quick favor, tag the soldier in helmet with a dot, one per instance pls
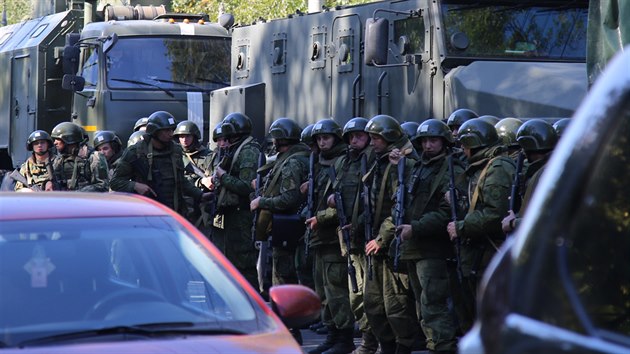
(37, 170)
(141, 124)
(108, 143)
(281, 194)
(233, 176)
(410, 129)
(538, 139)
(489, 178)
(196, 160)
(136, 137)
(425, 243)
(457, 118)
(330, 271)
(388, 302)
(506, 128)
(154, 167)
(490, 119)
(307, 138)
(352, 166)
(561, 125)
(77, 168)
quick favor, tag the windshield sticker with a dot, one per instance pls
(39, 267)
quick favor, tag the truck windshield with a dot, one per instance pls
(516, 30)
(169, 63)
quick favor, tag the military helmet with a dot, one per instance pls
(68, 132)
(561, 125)
(285, 128)
(385, 126)
(160, 120)
(410, 129)
(537, 135)
(236, 124)
(38, 135)
(187, 127)
(107, 136)
(477, 133)
(306, 136)
(356, 124)
(140, 123)
(217, 132)
(459, 116)
(135, 137)
(507, 128)
(434, 128)
(490, 119)
(327, 126)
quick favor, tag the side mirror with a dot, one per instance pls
(73, 82)
(296, 305)
(70, 63)
(110, 42)
(376, 41)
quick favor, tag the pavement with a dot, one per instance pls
(311, 340)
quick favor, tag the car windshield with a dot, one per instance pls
(67, 276)
(188, 64)
(516, 30)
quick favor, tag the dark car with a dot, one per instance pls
(108, 272)
(562, 283)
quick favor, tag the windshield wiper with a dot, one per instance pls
(146, 330)
(178, 83)
(147, 84)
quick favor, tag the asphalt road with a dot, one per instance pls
(311, 340)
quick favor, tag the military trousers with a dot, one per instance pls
(429, 279)
(304, 265)
(389, 305)
(284, 271)
(331, 284)
(235, 242)
(356, 299)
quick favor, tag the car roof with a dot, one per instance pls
(55, 205)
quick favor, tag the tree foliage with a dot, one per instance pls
(247, 12)
(17, 10)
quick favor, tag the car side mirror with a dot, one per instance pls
(73, 82)
(296, 305)
(70, 63)
(376, 41)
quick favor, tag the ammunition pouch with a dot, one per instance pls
(227, 200)
(342, 243)
(287, 229)
(263, 225)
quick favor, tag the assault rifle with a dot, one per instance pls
(343, 221)
(264, 246)
(258, 191)
(310, 201)
(453, 201)
(399, 209)
(367, 213)
(516, 184)
(17, 176)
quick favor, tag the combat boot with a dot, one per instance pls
(369, 344)
(402, 349)
(331, 338)
(344, 343)
(387, 347)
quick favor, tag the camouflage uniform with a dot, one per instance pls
(84, 174)
(330, 273)
(480, 231)
(388, 302)
(350, 184)
(162, 170)
(284, 197)
(232, 234)
(200, 157)
(426, 253)
(36, 173)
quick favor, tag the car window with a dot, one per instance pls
(67, 275)
(597, 249)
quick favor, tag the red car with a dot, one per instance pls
(96, 273)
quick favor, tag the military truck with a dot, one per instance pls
(103, 67)
(412, 59)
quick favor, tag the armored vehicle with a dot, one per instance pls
(106, 68)
(412, 59)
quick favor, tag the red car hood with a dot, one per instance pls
(274, 342)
